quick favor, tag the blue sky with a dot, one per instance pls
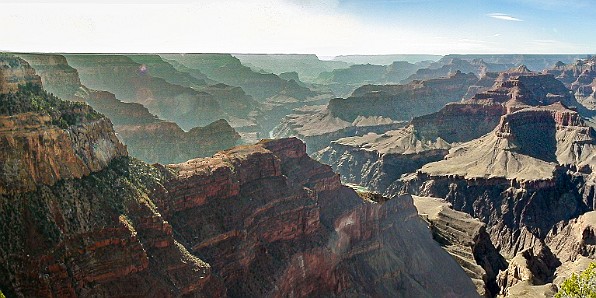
(323, 27)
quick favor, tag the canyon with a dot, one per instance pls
(146, 136)
(517, 157)
(253, 220)
(214, 175)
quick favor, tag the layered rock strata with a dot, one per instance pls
(579, 77)
(536, 158)
(258, 220)
(15, 72)
(372, 108)
(293, 229)
(466, 239)
(147, 137)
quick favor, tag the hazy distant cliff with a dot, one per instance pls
(147, 137)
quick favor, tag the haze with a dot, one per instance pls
(326, 28)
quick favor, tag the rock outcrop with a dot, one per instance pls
(377, 160)
(344, 81)
(229, 70)
(15, 72)
(372, 108)
(519, 160)
(131, 82)
(579, 77)
(44, 139)
(402, 102)
(536, 158)
(466, 239)
(293, 229)
(147, 137)
(255, 220)
(166, 142)
(574, 239)
(75, 217)
(532, 269)
(450, 65)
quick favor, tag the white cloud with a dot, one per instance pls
(257, 26)
(504, 17)
(233, 26)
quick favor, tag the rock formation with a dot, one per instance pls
(295, 230)
(155, 66)
(307, 66)
(147, 137)
(448, 65)
(519, 160)
(402, 102)
(344, 81)
(131, 82)
(254, 220)
(14, 72)
(382, 158)
(372, 108)
(534, 156)
(535, 62)
(165, 142)
(466, 239)
(579, 77)
(229, 70)
(75, 220)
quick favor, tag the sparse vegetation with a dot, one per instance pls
(579, 285)
(32, 98)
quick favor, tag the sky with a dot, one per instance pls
(324, 27)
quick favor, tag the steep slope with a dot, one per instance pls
(75, 217)
(447, 66)
(526, 179)
(307, 66)
(373, 108)
(229, 70)
(376, 160)
(165, 142)
(466, 239)
(14, 72)
(535, 158)
(131, 82)
(295, 230)
(402, 102)
(147, 137)
(344, 81)
(155, 66)
(579, 77)
(269, 220)
(277, 96)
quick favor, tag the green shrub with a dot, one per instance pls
(582, 285)
(32, 98)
